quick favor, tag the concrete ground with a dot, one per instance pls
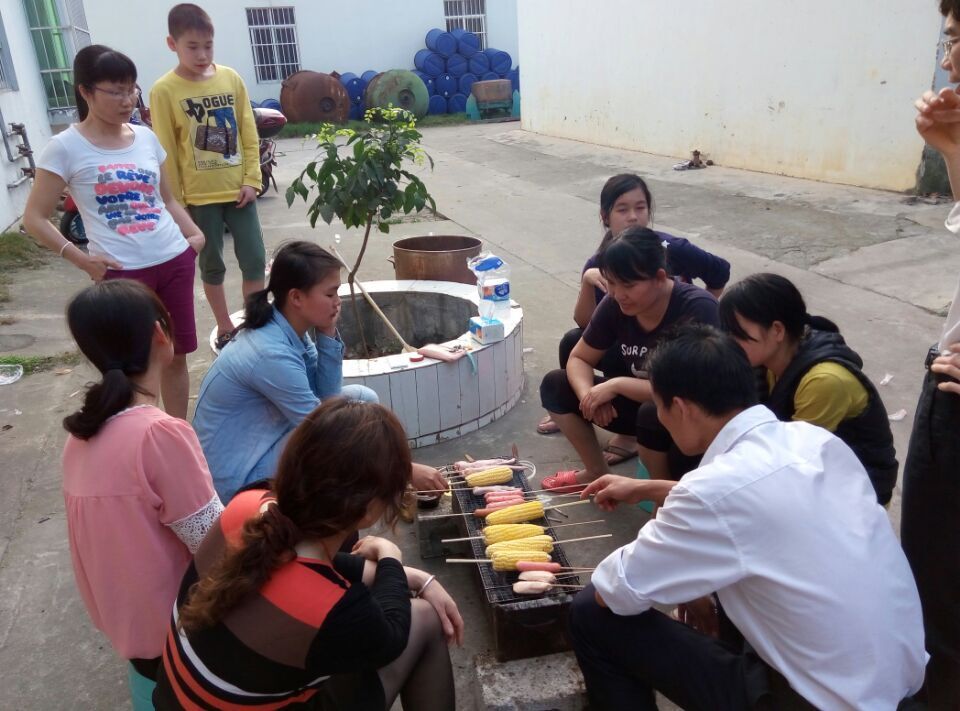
(883, 269)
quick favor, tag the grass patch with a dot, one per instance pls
(39, 364)
(299, 130)
(18, 251)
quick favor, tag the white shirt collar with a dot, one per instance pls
(735, 429)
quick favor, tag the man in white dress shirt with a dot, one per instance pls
(780, 524)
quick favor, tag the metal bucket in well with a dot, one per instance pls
(437, 258)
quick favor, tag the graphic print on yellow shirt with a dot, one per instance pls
(213, 127)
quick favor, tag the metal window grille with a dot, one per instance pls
(58, 30)
(470, 15)
(273, 40)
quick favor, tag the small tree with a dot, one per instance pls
(368, 184)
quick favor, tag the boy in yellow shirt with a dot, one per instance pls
(202, 115)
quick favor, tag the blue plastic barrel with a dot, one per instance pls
(500, 61)
(438, 105)
(270, 104)
(368, 75)
(446, 85)
(354, 86)
(479, 64)
(466, 83)
(468, 44)
(428, 81)
(429, 62)
(441, 42)
(457, 104)
(514, 76)
(489, 76)
(457, 65)
(254, 104)
(356, 111)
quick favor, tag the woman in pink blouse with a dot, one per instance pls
(139, 496)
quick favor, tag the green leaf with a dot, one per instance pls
(326, 212)
(383, 227)
(291, 193)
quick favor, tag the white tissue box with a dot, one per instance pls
(486, 330)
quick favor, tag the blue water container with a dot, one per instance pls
(489, 76)
(368, 75)
(428, 81)
(500, 61)
(457, 65)
(429, 62)
(514, 76)
(457, 104)
(468, 44)
(446, 85)
(254, 104)
(356, 111)
(354, 86)
(479, 64)
(441, 42)
(270, 104)
(466, 83)
(438, 105)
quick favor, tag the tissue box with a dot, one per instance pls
(486, 330)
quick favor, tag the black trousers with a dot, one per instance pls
(625, 659)
(930, 534)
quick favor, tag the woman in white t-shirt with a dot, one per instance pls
(136, 229)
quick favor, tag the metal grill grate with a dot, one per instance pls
(498, 585)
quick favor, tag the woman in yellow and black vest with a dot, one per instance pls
(811, 374)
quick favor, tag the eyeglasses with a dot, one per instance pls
(120, 95)
(948, 43)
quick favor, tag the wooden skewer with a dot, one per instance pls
(584, 538)
(558, 576)
(545, 508)
(477, 538)
(488, 560)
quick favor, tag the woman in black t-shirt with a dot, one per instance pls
(642, 304)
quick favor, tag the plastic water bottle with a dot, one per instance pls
(493, 285)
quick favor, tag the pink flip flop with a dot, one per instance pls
(563, 483)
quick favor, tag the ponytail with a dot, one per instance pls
(296, 265)
(113, 324)
(821, 323)
(257, 309)
(268, 542)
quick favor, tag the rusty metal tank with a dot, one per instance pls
(494, 90)
(314, 97)
(436, 257)
(399, 88)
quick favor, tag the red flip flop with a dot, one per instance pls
(563, 483)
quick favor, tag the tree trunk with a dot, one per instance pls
(353, 296)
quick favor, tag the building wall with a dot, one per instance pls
(502, 27)
(26, 105)
(346, 37)
(820, 90)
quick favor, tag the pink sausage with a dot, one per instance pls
(523, 565)
(494, 505)
(504, 495)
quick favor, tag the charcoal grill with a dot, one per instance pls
(523, 625)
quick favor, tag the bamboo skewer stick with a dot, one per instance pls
(477, 538)
(407, 348)
(488, 560)
(545, 508)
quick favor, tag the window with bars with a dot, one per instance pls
(58, 30)
(273, 40)
(8, 78)
(470, 15)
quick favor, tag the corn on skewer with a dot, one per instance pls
(511, 516)
(528, 529)
(536, 543)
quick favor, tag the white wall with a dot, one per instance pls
(26, 105)
(822, 89)
(343, 36)
(502, 27)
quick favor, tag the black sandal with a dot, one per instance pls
(223, 339)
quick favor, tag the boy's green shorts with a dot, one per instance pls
(244, 225)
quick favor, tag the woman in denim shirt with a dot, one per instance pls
(273, 374)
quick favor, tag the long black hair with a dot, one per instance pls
(636, 255)
(612, 190)
(113, 324)
(98, 63)
(766, 298)
(296, 265)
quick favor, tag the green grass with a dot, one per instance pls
(298, 130)
(38, 364)
(17, 251)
